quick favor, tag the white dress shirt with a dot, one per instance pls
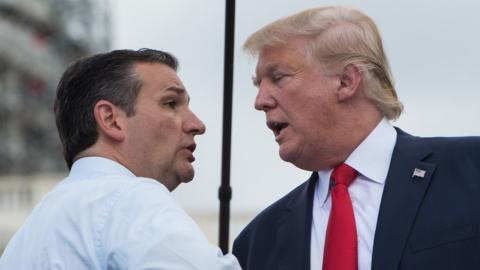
(371, 159)
(103, 217)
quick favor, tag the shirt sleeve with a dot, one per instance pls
(147, 229)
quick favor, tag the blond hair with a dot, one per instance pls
(340, 36)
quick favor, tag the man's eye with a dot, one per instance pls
(171, 103)
(256, 82)
(278, 77)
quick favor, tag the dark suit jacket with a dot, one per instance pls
(424, 223)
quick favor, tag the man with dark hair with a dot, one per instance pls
(378, 198)
(128, 136)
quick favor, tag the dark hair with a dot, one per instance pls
(107, 76)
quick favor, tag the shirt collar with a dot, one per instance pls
(371, 158)
(96, 166)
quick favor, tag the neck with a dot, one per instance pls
(99, 149)
(360, 124)
(356, 124)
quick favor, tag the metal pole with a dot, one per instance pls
(225, 191)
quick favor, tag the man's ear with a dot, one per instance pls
(350, 82)
(109, 120)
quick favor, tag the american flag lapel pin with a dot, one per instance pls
(419, 173)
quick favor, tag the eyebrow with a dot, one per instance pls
(179, 91)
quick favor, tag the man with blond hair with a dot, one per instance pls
(378, 198)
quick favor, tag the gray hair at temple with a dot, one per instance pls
(340, 36)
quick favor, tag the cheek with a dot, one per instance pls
(169, 136)
(172, 130)
(167, 128)
(314, 123)
(157, 138)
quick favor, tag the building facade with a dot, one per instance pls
(38, 39)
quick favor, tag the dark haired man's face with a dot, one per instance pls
(160, 135)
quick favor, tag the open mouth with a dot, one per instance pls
(276, 127)
(191, 147)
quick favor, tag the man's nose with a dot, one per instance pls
(195, 125)
(264, 100)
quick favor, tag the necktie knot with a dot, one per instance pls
(343, 174)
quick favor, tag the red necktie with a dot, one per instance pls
(341, 240)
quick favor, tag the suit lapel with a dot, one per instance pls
(294, 229)
(401, 200)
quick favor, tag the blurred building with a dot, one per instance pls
(38, 39)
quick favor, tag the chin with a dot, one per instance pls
(187, 179)
(296, 158)
(186, 175)
(288, 157)
(288, 154)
